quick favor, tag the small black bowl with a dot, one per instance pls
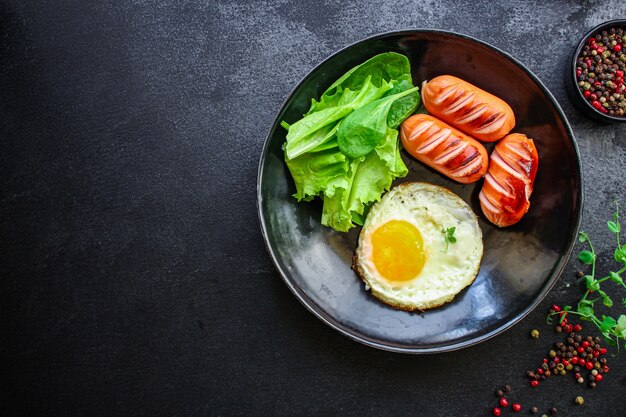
(572, 85)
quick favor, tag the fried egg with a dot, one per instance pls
(403, 256)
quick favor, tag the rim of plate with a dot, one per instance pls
(333, 323)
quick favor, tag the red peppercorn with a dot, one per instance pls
(565, 362)
(619, 73)
(579, 73)
(504, 402)
(597, 84)
(600, 49)
(589, 365)
(540, 371)
(603, 110)
(578, 327)
(587, 93)
(585, 344)
(599, 377)
(580, 348)
(593, 96)
(556, 308)
(577, 375)
(592, 40)
(568, 327)
(534, 383)
(517, 407)
(581, 362)
(603, 351)
(545, 360)
(605, 369)
(596, 353)
(556, 359)
(575, 360)
(497, 411)
(617, 48)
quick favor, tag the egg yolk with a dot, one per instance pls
(398, 250)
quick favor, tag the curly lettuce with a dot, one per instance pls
(345, 149)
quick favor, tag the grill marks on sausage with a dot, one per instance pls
(509, 182)
(447, 150)
(524, 163)
(468, 111)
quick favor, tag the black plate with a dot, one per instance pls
(520, 263)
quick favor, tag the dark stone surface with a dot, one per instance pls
(134, 277)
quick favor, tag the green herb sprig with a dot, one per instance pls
(613, 330)
(449, 236)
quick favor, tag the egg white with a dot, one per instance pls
(430, 209)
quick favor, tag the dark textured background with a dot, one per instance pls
(134, 277)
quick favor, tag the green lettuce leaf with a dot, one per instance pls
(334, 211)
(318, 172)
(365, 128)
(404, 107)
(313, 130)
(389, 152)
(366, 94)
(382, 67)
(346, 149)
(368, 179)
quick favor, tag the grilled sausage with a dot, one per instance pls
(468, 108)
(505, 195)
(444, 148)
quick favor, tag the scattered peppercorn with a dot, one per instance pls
(507, 388)
(579, 400)
(517, 407)
(576, 353)
(534, 334)
(600, 68)
(504, 402)
(553, 411)
(499, 393)
(497, 411)
(534, 410)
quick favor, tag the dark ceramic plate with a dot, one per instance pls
(520, 263)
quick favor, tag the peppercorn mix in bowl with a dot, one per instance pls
(595, 78)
